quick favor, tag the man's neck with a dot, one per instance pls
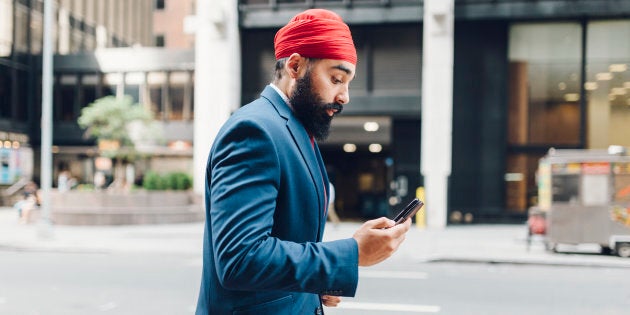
(282, 94)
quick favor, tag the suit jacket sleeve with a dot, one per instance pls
(243, 182)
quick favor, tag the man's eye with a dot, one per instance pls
(336, 81)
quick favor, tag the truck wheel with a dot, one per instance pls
(623, 249)
(605, 250)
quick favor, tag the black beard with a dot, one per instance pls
(310, 109)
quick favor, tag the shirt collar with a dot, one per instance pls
(284, 96)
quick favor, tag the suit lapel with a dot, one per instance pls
(311, 156)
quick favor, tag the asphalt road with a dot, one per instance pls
(489, 289)
(122, 283)
(33, 283)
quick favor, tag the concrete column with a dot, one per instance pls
(437, 107)
(217, 77)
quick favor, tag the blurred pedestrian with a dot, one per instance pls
(29, 202)
(63, 181)
(267, 188)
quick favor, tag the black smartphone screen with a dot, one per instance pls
(408, 211)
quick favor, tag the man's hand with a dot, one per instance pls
(330, 300)
(378, 239)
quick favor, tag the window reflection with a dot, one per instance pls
(608, 84)
(544, 101)
(178, 82)
(133, 83)
(544, 84)
(36, 32)
(6, 27)
(21, 28)
(155, 81)
(5, 91)
(68, 98)
(89, 83)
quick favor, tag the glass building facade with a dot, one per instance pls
(528, 76)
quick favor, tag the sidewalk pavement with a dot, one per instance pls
(464, 243)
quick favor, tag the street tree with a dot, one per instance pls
(110, 120)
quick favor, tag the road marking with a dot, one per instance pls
(412, 275)
(389, 307)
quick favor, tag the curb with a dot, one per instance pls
(531, 262)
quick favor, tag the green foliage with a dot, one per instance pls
(108, 118)
(85, 187)
(170, 181)
(179, 181)
(153, 181)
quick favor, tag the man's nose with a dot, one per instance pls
(343, 98)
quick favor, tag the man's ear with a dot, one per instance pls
(295, 65)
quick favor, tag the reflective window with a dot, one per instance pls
(6, 27)
(544, 83)
(37, 24)
(397, 58)
(544, 102)
(89, 83)
(22, 95)
(67, 98)
(5, 91)
(133, 84)
(155, 81)
(608, 84)
(178, 84)
(21, 28)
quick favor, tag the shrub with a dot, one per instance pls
(169, 181)
(152, 181)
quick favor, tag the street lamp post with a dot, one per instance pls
(45, 227)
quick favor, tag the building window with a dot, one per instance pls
(608, 84)
(159, 40)
(21, 29)
(159, 4)
(67, 98)
(544, 101)
(180, 96)
(397, 59)
(134, 83)
(156, 82)
(21, 112)
(6, 87)
(6, 27)
(89, 83)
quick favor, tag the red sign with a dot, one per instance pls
(596, 168)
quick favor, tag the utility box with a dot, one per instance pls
(585, 198)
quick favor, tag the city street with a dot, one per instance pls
(157, 283)
(82, 283)
(488, 289)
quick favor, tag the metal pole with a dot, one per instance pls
(45, 227)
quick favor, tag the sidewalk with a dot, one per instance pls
(469, 243)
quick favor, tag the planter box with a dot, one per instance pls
(138, 207)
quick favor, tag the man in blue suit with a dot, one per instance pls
(267, 188)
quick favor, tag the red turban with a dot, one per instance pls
(316, 33)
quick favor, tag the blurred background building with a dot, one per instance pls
(528, 75)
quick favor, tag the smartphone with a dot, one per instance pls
(408, 211)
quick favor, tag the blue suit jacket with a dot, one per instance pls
(265, 215)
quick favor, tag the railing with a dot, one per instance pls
(7, 194)
(16, 187)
